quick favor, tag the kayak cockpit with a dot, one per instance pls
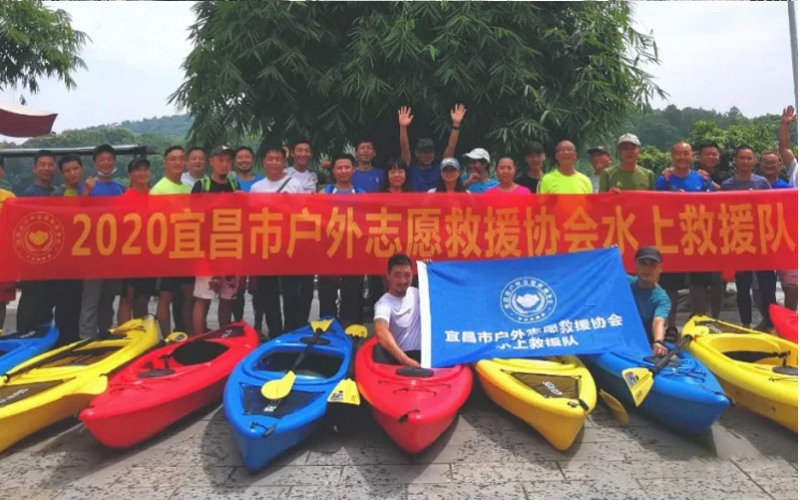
(315, 365)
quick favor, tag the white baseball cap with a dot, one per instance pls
(478, 154)
(628, 138)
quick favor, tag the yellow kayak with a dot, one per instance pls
(60, 383)
(758, 371)
(553, 395)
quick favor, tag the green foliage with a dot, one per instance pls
(652, 159)
(173, 126)
(37, 42)
(336, 71)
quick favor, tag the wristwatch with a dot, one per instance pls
(660, 342)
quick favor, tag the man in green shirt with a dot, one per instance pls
(71, 169)
(627, 176)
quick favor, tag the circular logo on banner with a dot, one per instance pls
(38, 238)
(527, 300)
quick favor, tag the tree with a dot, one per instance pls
(37, 42)
(336, 71)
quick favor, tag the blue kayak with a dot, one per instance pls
(685, 395)
(19, 347)
(262, 428)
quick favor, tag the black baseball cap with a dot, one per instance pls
(136, 162)
(425, 144)
(534, 148)
(103, 148)
(222, 150)
(599, 149)
(650, 253)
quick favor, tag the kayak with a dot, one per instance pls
(757, 370)
(414, 406)
(264, 428)
(167, 384)
(16, 348)
(785, 321)
(60, 383)
(552, 395)
(685, 395)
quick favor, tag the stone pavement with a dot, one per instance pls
(487, 454)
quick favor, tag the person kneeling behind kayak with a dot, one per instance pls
(652, 301)
(397, 316)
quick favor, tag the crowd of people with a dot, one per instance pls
(81, 308)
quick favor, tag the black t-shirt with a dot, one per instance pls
(229, 186)
(719, 176)
(528, 182)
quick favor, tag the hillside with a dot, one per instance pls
(172, 126)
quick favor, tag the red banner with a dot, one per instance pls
(278, 234)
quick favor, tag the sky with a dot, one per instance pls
(713, 55)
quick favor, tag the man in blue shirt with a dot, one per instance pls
(478, 180)
(651, 300)
(97, 300)
(366, 177)
(425, 171)
(683, 179)
(44, 169)
(770, 167)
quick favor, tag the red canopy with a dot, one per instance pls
(22, 121)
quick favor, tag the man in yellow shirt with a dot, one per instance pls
(565, 179)
(8, 291)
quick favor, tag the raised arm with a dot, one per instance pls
(387, 341)
(784, 139)
(457, 115)
(405, 117)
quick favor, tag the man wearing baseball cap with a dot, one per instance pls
(600, 158)
(651, 300)
(424, 171)
(627, 176)
(478, 180)
(534, 158)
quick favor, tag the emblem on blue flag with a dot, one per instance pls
(528, 300)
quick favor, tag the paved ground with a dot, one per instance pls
(487, 454)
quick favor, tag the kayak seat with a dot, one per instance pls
(156, 373)
(314, 364)
(673, 363)
(320, 341)
(414, 372)
(255, 403)
(785, 370)
(197, 352)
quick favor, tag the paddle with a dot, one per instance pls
(63, 354)
(280, 388)
(640, 379)
(615, 406)
(346, 391)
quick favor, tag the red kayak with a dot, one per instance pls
(413, 405)
(785, 321)
(167, 384)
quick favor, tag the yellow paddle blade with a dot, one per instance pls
(279, 389)
(345, 392)
(615, 406)
(639, 381)
(176, 337)
(321, 325)
(357, 331)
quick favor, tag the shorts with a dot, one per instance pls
(788, 278)
(677, 281)
(208, 288)
(139, 287)
(8, 292)
(173, 285)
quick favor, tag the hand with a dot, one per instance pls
(703, 174)
(326, 164)
(286, 151)
(410, 362)
(667, 173)
(458, 114)
(404, 116)
(89, 184)
(788, 116)
(659, 350)
(615, 190)
(472, 179)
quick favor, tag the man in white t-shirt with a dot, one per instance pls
(301, 154)
(397, 319)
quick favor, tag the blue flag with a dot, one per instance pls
(576, 303)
